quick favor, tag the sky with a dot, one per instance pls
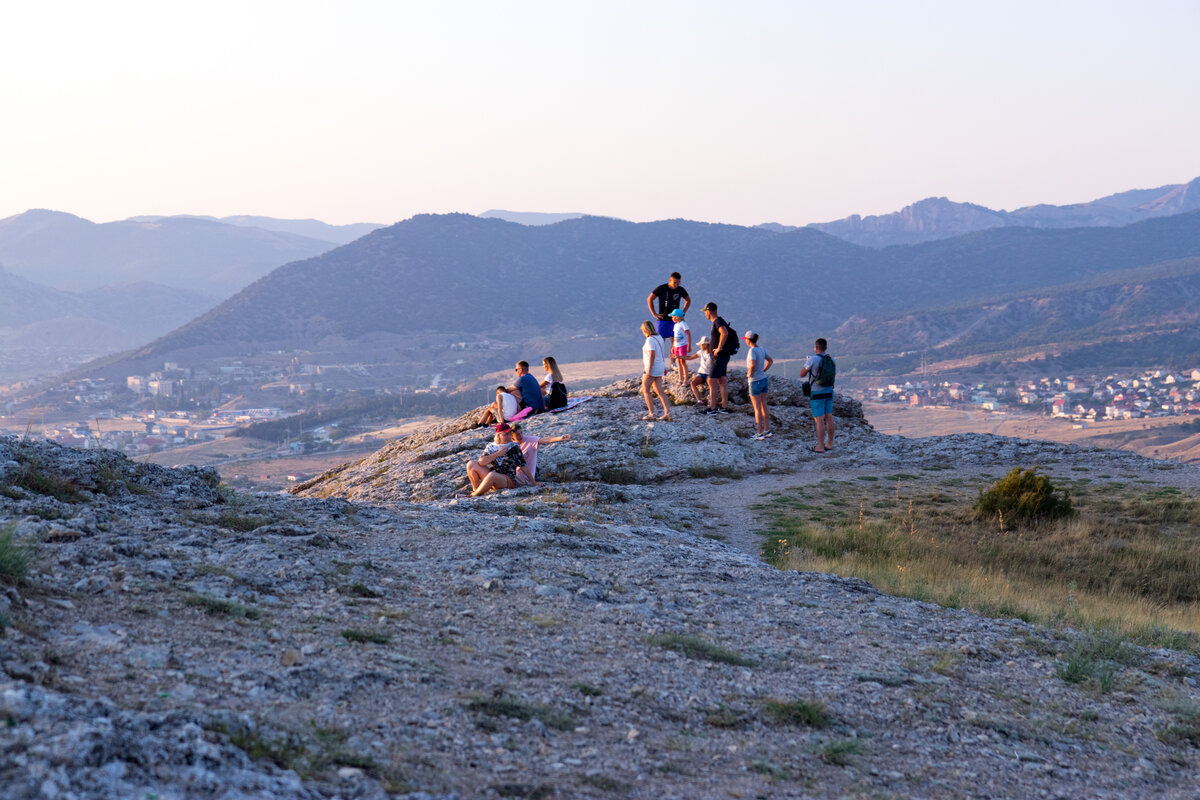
(737, 112)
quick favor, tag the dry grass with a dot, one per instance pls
(1128, 561)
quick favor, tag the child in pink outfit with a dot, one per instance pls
(681, 345)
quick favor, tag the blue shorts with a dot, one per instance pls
(666, 329)
(822, 406)
(758, 386)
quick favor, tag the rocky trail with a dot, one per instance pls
(380, 636)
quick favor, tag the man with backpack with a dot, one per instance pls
(821, 371)
(724, 343)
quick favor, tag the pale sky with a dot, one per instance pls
(740, 112)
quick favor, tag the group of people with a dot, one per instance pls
(713, 352)
(510, 460)
(549, 394)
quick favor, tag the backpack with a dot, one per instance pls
(826, 373)
(557, 398)
(732, 335)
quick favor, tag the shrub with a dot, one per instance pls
(1024, 496)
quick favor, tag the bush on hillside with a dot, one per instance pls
(1024, 496)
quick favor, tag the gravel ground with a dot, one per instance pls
(579, 639)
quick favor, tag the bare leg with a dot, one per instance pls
(829, 429)
(756, 403)
(647, 382)
(724, 393)
(713, 387)
(683, 373)
(666, 404)
(493, 482)
(476, 472)
(696, 383)
(820, 423)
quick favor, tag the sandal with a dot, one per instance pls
(666, 418)
(818, 452)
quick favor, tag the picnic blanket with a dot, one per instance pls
(572, 402)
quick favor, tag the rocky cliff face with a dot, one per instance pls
(581, 639)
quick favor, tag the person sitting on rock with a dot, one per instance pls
(553, 386)
(700, 379)
(527, 389)
(529, 448)
(504, 408)
(499, 465)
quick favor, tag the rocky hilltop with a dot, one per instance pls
(378, 636)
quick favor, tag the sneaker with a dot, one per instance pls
(723, 410)
(709, 412)
(758, 437)
(767, 435)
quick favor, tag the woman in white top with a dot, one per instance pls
(654, 366)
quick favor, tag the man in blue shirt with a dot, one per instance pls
(528, 389)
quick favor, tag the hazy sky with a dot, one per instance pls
(740, 112)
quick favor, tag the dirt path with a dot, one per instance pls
(732, 518)
(729, 502)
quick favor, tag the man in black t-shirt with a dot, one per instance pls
(723, 346)
(670, 297)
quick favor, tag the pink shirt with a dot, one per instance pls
(529, 448)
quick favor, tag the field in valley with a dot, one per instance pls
(1157, 437)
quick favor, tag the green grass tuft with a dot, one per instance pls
(16, 555)
(797, 712)
(695, 647)
(362, 636)
(505, 706)
(219, 606)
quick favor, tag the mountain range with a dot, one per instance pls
(462, 276)
(308, 228)
(44, 329)
(214, 258)
(939, 218)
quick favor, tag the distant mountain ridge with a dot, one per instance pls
(528, 217)
(939, 218)
(308, 228)
(214, 258)
(463, 275)
(43, 329)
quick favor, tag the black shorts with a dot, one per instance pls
(720, 366)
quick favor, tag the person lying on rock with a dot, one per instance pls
(529, 448)
(499, 465)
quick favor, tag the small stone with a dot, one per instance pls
(291, 658)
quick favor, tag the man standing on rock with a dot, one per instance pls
(670, 297)
(724, 345)
(820, 371)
